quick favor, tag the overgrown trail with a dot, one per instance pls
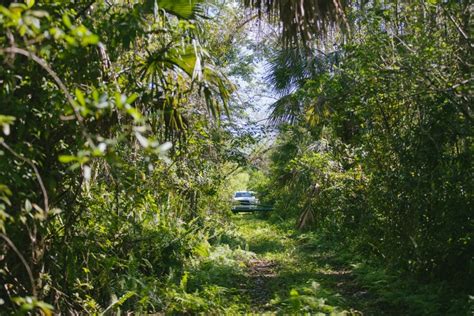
(290, 272)
(260, 273)
(260, 267)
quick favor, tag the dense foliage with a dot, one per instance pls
(375, 138)
(120, 129)
(111, 152)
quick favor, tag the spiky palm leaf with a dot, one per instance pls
(179, 67)
(301, 19)
(173, 65)
(288, 70)
(287, 109)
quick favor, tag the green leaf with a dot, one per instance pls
(30, 3)
(185, 60)
(67, 158)
(5, 122)
(294, 293)
(202, 249)
(119, 302)
(90, 39)
(6, 119)
(134, 113)
(184, 280)
(131, 98)
(80, 97)
(67, 21)
(28, 206)
(184, 9)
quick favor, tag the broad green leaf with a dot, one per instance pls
(80, 97)
(184, 9)
(67, 21)
(30, 3)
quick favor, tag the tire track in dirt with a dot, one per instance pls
(260, 272)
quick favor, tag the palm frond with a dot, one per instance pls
(184, 9)
(287, 109)
(287, 72)
(171, 72)
(285, 69)
(306, 218)
(301, 19)
(288, 69)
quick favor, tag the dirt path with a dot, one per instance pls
(287, 275)
(260, 272)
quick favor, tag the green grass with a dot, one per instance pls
(265, 267)
(301, 283)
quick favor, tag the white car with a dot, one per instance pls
(245, 198)
(245, 201)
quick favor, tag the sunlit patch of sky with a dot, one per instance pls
(256, 95)
(253, 95)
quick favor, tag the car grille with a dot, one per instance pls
(244, 202)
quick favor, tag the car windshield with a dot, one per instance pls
(243, 194)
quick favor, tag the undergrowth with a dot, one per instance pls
(313, 274)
